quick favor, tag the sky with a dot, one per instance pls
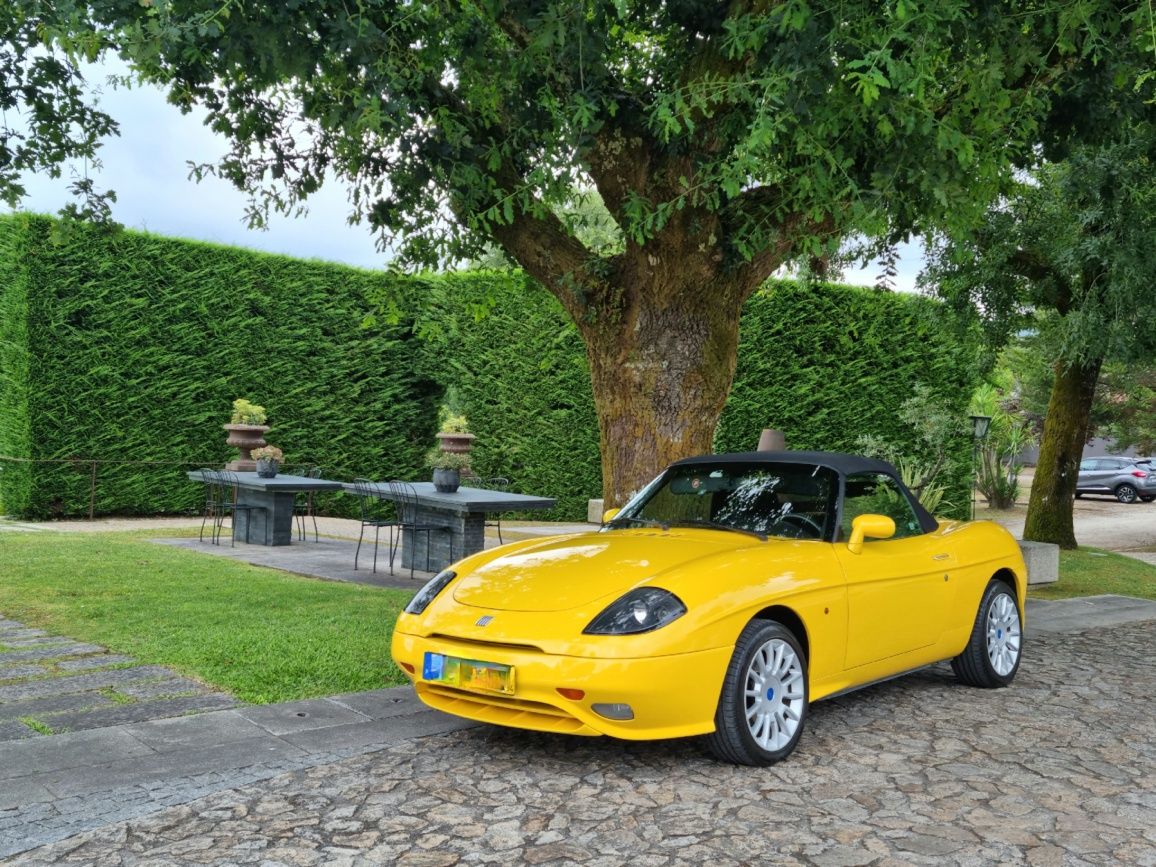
(147, 166)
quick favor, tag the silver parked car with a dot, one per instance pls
(1128, 479)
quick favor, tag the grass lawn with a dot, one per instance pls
(263, 635)
(1091, 572)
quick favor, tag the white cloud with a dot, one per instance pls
(147, 166)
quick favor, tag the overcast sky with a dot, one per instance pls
(147, 166)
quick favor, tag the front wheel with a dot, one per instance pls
(1127, 494)
(763, 706)
(992, 655)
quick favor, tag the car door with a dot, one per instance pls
(1103, 471)
(898, 588)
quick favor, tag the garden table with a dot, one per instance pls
(276, 496)
(462, 513)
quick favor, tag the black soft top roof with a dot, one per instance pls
(842, 463)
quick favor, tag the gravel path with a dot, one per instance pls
(1059, 769)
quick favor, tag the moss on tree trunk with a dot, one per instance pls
(660, 380)
(1065, 432)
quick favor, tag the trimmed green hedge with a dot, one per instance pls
(824, 364)
(132, 347)
(518, 366)
(828, 364)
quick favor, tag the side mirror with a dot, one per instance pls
(609, 515)
(869, 527)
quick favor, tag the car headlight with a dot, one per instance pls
(433, 587)
(641, 610)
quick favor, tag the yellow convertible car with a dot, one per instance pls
(720, 601)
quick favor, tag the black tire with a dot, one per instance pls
(1146, 498)
(1127, 494)
(784, 703)
(993, 653)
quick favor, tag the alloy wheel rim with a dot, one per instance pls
(1003, 634)
(774, 695)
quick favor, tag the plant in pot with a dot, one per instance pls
(447, 469)
(247, 431)
(268, 460)
(455, 436)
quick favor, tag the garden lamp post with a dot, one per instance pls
(979, 428)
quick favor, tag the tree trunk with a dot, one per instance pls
(660, 321)
(660, 377)
(1065, 432)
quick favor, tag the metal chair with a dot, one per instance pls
(405, 498)
(209, 510)
(227, 504)
(497, 483)
(303, 505)
(370, 504)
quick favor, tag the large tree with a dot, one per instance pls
(1069, 253)
(725, 139)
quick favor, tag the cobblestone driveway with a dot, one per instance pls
(1059, 769)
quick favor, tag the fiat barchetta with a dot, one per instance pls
(723, 599)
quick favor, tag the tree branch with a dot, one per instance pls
(764, 205)
(1032, 266)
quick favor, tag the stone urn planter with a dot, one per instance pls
(245, 438)
(455, 443)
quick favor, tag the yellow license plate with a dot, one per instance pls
(468, 673)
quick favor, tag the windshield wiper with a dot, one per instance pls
(714, 525)
(641, 522)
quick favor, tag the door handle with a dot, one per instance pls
(941, 557)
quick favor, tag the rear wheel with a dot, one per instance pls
(1146, 498)
(992, 655)
(763, 707)
(1127, 494)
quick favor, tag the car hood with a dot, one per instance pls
(563, 573)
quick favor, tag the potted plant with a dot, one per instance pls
(247, 431)
(447, 469)
(268, 460)
(455, 436)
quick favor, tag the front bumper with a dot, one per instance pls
(671, 696)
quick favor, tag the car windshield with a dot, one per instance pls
(793, 501)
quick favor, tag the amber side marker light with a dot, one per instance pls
(408, 667)
(572, 694)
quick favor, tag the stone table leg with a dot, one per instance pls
(463, 534)
(279, 509)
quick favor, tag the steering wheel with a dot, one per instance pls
(805, 527)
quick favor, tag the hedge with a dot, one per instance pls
(824, 364)
(518, 367)
(132, 347)
(828, 364)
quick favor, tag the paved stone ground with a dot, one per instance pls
(50, 684)
(1059, 769)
